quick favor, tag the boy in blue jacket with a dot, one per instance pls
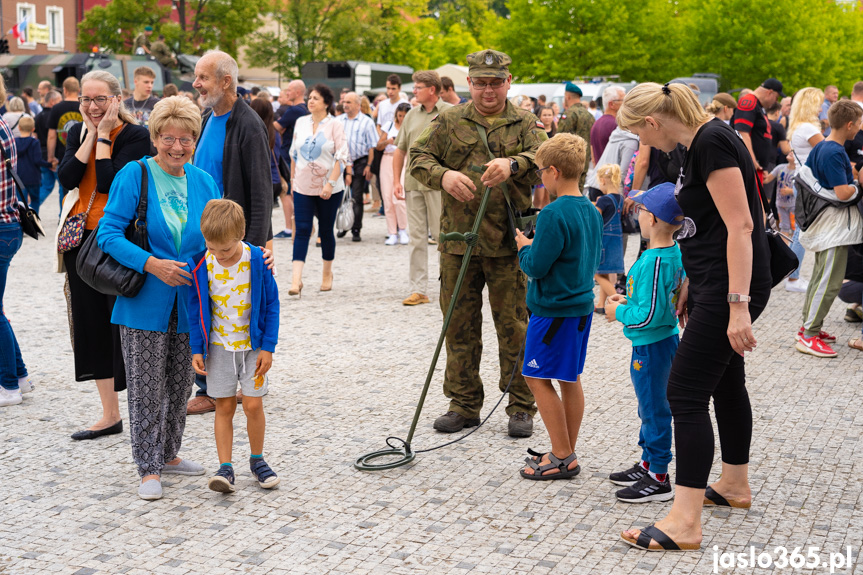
(29, 161)
(234, 327)
(560, 263)
(649, 316)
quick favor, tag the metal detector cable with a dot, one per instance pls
(496, 405)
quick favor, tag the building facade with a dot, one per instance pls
(51, 26)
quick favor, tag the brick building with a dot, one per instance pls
(52, 25)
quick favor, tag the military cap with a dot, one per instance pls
(571, 87)
(488, 64)
(148, 28)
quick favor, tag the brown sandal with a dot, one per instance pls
(856, 343)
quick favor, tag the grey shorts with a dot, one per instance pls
(225, 369)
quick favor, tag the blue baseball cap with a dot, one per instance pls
(572, 87)
(660, 201)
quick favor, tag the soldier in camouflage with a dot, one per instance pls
(576, 119)
(441, 158)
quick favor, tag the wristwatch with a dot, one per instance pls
(738, 297)
(513, 166)
(332, 183)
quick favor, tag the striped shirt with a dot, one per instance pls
(361, 135)
(8, 193)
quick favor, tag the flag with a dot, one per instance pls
(19, 30)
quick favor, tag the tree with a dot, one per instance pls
(222, 24)
(114, 26)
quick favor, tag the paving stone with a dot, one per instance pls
(348, 370)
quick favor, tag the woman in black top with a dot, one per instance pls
(727, 261)
(96, 149)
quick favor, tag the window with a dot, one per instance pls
(55, 27)
(28, 12)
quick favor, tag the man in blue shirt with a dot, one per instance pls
(234, 149)
(362, 139)
(296, 108)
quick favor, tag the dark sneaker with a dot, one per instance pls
(647, 489)
(223, 480)
(452, 422)
(520, 424)
(628, 477)
(266, 477)
(853, 314)
(283, 234)
(341, 234)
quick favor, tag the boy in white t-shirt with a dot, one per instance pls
(234, 319)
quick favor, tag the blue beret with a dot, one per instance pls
(570, 87)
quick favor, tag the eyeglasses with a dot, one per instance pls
(540, 171)
(481, 86)
(418, 87)
(100, 100)
(169, 141)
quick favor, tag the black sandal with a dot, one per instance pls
(562, 465)
(711, 497)
(651, 532)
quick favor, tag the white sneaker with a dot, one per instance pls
(392, 240)
(798, 286)
(9, 397)
(25, 385)
(403, 238)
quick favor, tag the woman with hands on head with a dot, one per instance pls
(154, 324)
(96, 150)
(727, 262)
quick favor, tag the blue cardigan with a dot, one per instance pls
(151, 309)
(264, 323)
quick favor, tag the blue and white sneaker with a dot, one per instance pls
(223, 480)
(266, 477)
(284, 234)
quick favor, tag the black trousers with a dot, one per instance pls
(707, 366)
(359, 186)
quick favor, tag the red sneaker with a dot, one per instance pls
(814, 346)
(822, 335)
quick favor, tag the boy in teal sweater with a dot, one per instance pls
(560, 263)
(649, 317)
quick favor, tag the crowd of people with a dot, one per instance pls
(567, 188)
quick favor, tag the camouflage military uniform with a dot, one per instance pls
(160, 51)
(577, 120)
(142, 41)
(452, 142)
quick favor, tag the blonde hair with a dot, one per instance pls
(566, 152)
(175, 111)
(26, 124)
(609, 173)
(2, 89)
(113, 87)
(16, 104)
(676, 101)
(805, 109)
(223, 221)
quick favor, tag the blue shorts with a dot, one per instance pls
(555, 347)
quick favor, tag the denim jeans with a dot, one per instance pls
(649, 369)
(48, 179)
(11, 364)
(798, 250)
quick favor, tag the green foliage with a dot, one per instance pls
(210, 24)
(115, 26)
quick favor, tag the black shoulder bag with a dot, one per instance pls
(30, 222)
(524, 221)
(105, 274)
(783, 261)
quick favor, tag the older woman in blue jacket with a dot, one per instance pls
(154, 325)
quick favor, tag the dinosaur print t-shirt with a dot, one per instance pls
(230, 291)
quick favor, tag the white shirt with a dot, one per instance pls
(387, 111)
(800, 141)
(392, 132)
(231, 292)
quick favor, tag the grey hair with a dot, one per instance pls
(16, 104)
(225, 66)
(53, 96)
(114, 88)
(610, 93)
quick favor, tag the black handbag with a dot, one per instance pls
(30, 222)
(783, 261)
(105, 274)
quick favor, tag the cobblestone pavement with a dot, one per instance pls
(348, 371)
